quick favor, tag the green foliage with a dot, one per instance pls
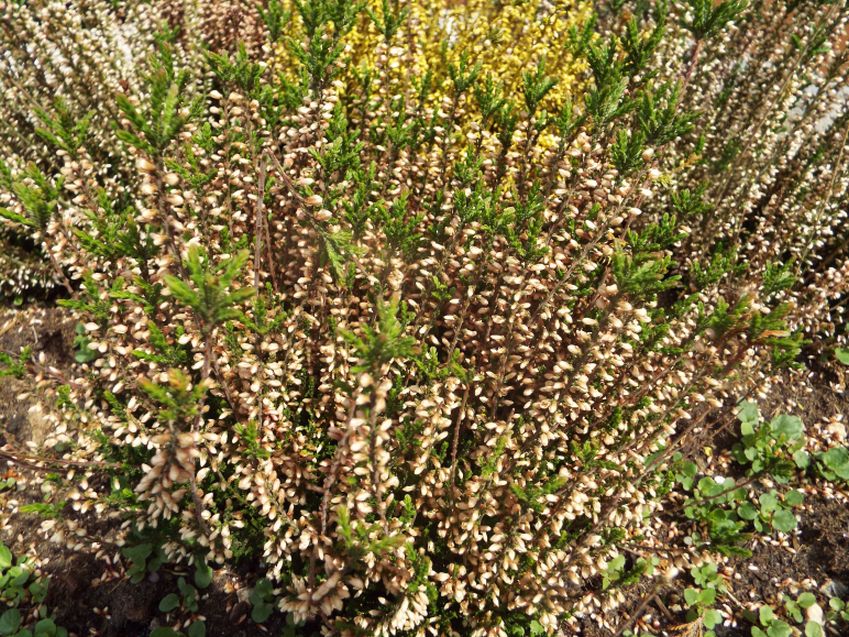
(833, 464)
(325, 23)
(239, 70)
(642, 275)
(262, 601)
(39, 196)
(275, 17)
(209, 292)
(61, 128)
(714, 506)
(724, 510)
(795, 607)
(46, 510)
(144, 558)
(165, 352)
(23, 593)
(657, 115)
(617, 575)
(360, 539)
(15, 366)
(838, 609)
(702, 597)
(385, 341)
(400, 226)
(519, 625)
(114, 233)
(390, 188)
(188, 596)
(203, 573)
(93, 300)
(639, 46)
(775, 448)
(771, 328)
(772, 511)
(249, 433)
(533, 495)
(535, 86)
(82, 352)
(155, 125)
(627, 151)
(770, 624)
(606, 101)
(391, 17)
(490, 99)
(464, 75)
(691, 205)
(179, 400)
(684, 472)
(705, 18)
(777, 277)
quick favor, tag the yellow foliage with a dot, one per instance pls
(505, 38)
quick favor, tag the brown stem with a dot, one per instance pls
(258, 225)
(691, 65)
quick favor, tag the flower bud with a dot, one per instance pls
(144, 165)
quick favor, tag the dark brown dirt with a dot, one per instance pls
(822, 552)
(49, 333)
(130, 610)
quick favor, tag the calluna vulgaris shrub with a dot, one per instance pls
(414, 302)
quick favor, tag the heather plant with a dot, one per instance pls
(420, 318)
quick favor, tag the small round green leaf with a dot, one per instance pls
(802, 459)
(10, 621)
(794, 498)
(747, 511)
(5, 557)
(768, 502)
(747, 411)
(707, 597)
(169, 603)
(197, 629)
(712, 617)
(203, 574)
(784, 520)
(261, 612)
(806, 599)
(790, 426)
(45, 628)
(779, 628)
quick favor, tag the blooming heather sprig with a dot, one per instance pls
(420, 326)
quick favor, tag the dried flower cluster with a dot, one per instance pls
(415, 301)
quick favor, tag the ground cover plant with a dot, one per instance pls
(423, 312)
